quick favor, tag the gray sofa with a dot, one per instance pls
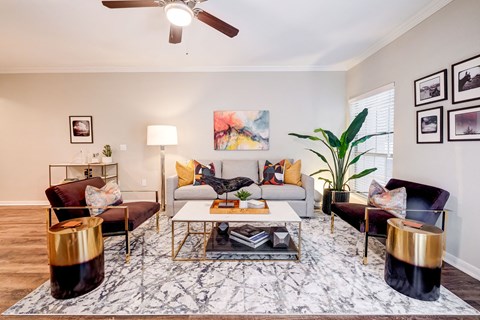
(300, 198)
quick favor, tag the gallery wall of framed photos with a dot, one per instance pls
(463, 123)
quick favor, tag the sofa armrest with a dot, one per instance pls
(308, 183)
(171, 186)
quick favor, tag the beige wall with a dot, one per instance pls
(34, 111)
(449, 36)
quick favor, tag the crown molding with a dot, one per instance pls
(160, 69)
(429, 10)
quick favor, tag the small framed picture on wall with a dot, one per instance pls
(431, 88)
(464, 124)
(81, 129)
(466, 80)
(430, 125)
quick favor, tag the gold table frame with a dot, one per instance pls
(206, 236)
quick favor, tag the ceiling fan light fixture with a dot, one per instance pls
(179, 14)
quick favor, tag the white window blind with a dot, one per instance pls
(380, 105)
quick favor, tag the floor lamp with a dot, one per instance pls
(161, 135)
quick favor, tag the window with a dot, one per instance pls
(380, 105)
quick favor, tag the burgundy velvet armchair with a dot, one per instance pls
(424, 203)
(68, 202)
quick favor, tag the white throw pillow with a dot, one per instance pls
(108, 195)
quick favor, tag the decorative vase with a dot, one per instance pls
(243, 204)
(223, 227)
(107, 160)
(340, 196)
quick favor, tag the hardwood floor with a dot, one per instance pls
(24, 266)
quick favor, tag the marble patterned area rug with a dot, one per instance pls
(329, 280)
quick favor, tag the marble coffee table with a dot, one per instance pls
(198, 212)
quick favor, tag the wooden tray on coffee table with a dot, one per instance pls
(215, 209)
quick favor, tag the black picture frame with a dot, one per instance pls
(466, 80)
(464, 124)
(430, 125)
(432, 88)
(81, 129)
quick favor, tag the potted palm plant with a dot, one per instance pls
(341, 152)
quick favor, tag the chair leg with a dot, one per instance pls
(365, 250)
(127, 246)
(158, 221)
(332, 221)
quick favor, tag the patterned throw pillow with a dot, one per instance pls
(395, 200)
(202, 170)
(185, 173)
(293, 174)
(108, 195)
(273, 173)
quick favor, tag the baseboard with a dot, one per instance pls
(462, 265)
(24, 203)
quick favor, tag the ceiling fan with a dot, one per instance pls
(180, 14)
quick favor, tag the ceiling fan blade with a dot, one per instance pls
(216, 23)
(175, 34)
(130, 4)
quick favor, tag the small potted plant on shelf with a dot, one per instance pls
(243, 196)
(107, 152)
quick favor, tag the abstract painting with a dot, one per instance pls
(241, 130)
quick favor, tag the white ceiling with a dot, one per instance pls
(276, 35)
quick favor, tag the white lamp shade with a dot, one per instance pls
(160, 135)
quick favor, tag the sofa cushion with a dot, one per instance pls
(293, 172)
(240, 168)
(261, 164)
(273, 173)
(202, 170)
(253, 189)
(185, 173)
(284, 192)
(191, 192)
(216, 163)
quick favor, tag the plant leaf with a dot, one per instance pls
(303, 136)
(326, 180)
(355, 160)
(355, 126)
(333, 141)
(319, 155)
(365, 138)
(361, 174)
(319, 171)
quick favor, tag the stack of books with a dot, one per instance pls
(249, 235)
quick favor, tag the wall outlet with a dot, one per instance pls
(144, 182)
(123, 147)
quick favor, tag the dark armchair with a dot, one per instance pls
(68, 202)
(424, 203)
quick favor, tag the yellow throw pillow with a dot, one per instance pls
(185, 173)
(293, 173)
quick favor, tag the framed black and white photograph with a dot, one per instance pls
(464, 124)
(81, 129)
(466, 80)
(431, 88)
(430, 125)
